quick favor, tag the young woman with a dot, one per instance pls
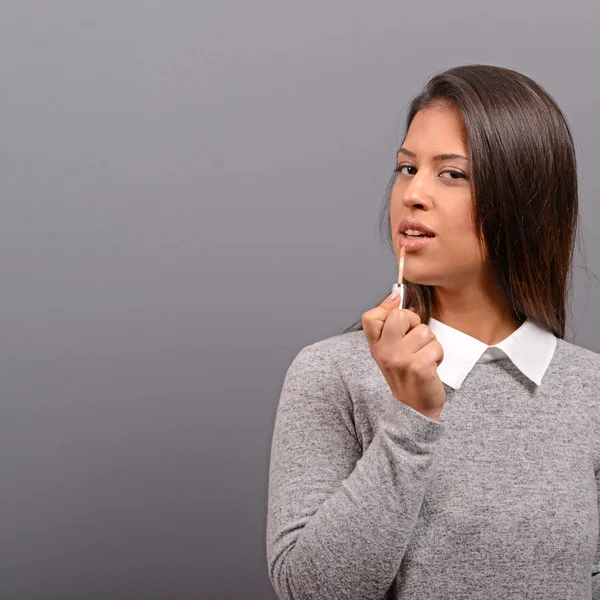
(452, 451)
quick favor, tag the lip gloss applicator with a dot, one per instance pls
(400, 288)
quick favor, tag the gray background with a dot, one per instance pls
(190, 194)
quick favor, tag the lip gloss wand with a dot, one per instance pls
(400, 287)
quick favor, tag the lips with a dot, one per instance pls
(416, 243)
(417, 226)
(421, 234)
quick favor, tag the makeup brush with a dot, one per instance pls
(400, 287)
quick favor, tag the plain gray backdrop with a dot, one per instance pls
(190, 195)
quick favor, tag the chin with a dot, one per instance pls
(421, 280)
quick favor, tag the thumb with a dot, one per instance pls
(374, 319)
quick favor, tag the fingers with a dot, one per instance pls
(431, 354)
(398, 324)
(374, 320)
(416, 337)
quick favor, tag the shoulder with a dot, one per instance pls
(342, 356)
(578, 360)
(578, 368)
(316, 381)
(338, 348)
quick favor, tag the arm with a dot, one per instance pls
(339, 520)
(596, 566)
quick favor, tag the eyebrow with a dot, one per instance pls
(436, 157)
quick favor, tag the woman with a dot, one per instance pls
(452, 451)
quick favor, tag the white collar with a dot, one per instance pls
(530, 348)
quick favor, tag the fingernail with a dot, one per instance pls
(393, 296)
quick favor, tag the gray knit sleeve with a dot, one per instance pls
(596, 567)
(339, 519)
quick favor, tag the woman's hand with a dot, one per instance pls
(408, 354)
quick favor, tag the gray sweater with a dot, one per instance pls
(370, 499)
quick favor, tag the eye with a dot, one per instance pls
(399, 168)
(457, 173)
(453, 174)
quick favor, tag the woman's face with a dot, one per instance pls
(437, 192)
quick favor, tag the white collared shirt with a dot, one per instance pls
(530, 348)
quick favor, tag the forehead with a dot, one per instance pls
(437, 129)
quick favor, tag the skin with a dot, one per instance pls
(438, 194)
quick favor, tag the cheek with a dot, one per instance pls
(458, 226)
(463, 250)
(458, 236)
(394, 211)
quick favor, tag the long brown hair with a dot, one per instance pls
(525, 188)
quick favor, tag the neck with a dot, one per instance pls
(478, 313)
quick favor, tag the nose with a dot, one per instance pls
(416, 192)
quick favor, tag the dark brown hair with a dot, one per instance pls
(524, 183)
